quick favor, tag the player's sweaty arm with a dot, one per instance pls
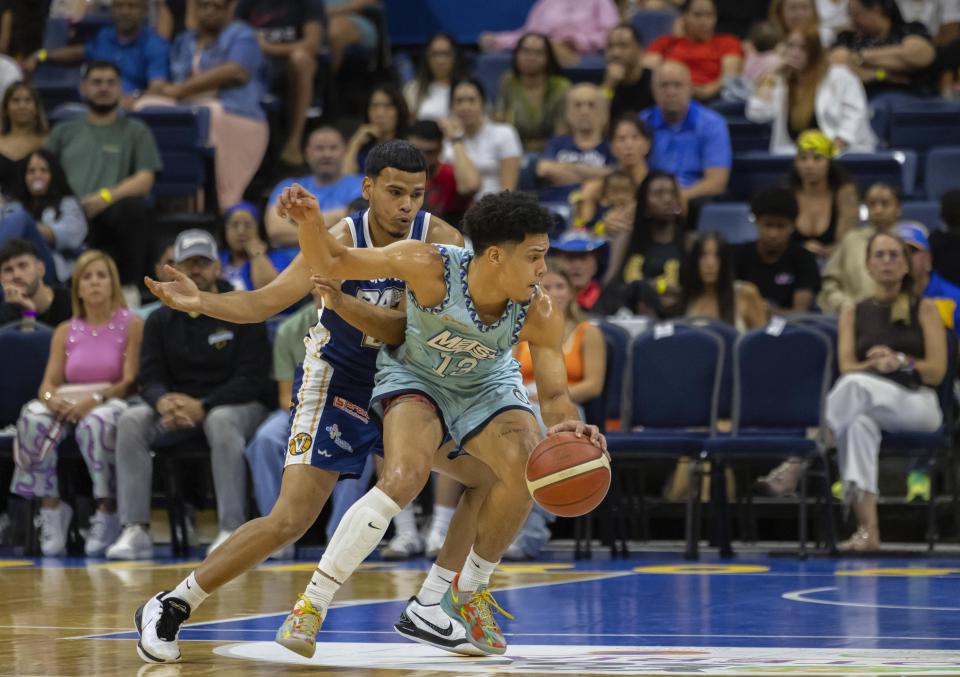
(416, 263)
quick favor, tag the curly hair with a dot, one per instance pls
(504, 217)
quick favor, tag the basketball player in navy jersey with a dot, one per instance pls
(331, 431)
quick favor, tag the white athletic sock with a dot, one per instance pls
(406, 521)
(476, 573)
(441, 519)
(359, 532)
(435, 585)
(189, 591)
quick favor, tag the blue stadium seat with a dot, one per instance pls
(489, 69)
(755, 170)
(926, 212)
(731, 219)
(746, 136)
(527, 180)
(895, 167)
(922, 125)
(590, 68)
(181, 135)
(942, 170)
(57, 84)
(729, 109)
(617, 339)
(651, 24)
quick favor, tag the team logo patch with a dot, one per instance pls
(337, 437)
(300, 444)
(521, 395)
(354, 410)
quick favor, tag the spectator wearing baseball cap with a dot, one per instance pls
(198, 375)
(927, 282)
(583, 259)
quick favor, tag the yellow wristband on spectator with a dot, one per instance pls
(880, 75)
(106, 195)
(42, 55)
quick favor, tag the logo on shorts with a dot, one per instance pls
(300, 444)
(335, 435)
(354, 410)
(521, 395)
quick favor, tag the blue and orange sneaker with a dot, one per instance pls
(474, 610)
(299, 631)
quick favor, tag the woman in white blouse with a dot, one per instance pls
(475, 145)
(807, 92)
(428, 94)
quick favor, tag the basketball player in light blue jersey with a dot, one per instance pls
(454, 374)
(331, 431)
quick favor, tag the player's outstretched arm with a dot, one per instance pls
(241, 307)
(416, 263)
(544, 331)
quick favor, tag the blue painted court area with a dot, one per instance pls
(759, 603)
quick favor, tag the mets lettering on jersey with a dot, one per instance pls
(448, 342)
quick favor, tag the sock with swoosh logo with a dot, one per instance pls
(359, 532)
(476, 573)
(189, 591)
(435, 585)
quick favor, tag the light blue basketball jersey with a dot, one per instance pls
(448, 345)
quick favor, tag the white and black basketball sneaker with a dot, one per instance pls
(429, 624)
(158, 623)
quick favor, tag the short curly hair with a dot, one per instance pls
(504, 217)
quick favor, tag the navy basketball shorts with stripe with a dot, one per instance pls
(330, 427)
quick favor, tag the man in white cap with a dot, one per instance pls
(195, 373)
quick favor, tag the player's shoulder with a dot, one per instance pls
(442, 232)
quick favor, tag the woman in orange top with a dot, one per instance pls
(583, 347)
(585, 359)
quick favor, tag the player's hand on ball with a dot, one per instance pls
(580, 428)
(299, 204)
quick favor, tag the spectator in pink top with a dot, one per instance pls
(93, 364)
(575, 27)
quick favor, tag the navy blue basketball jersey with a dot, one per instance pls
(338, 342)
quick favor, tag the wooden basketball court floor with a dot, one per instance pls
(652, 614)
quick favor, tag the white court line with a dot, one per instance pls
(801, 596)
(360, 602)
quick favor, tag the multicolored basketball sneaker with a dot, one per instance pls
(299, 631)
(475, 611)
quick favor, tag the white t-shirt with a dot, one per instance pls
(834, 17)
(9, 73)
(492, 143)
(931, 13)
(435, 105)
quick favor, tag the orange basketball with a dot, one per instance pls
(567, 475)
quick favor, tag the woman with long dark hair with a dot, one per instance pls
(710, 290)
(44, 193)
(531, 92)
(807, 92)
(387, 118)
(441, 64)
(23, 129)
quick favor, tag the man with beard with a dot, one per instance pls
(110, 162)
(24, 292)
(195, 372)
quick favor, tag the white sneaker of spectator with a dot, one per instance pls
(104, 530)
(134, 543)
(54, 527)
(403, 545)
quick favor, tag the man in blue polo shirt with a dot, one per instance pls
(690, 141)
(324, 150)
(142, 56)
